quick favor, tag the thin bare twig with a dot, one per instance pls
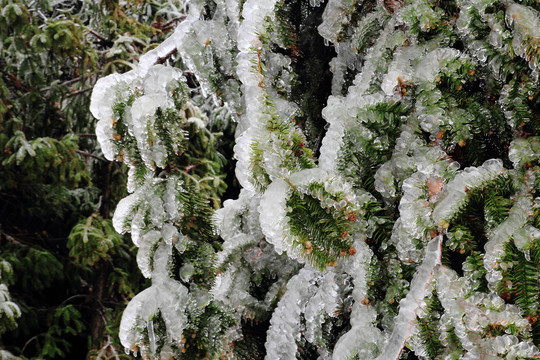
(168, 23)
(85, 153)
(30, 340)
(47, 88)
(78, 92)
(115, 353)
(73, 297)
(11, 238)
(100, 37)
(162, 59)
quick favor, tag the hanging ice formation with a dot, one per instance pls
(390, 199)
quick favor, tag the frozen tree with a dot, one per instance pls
(388, 154)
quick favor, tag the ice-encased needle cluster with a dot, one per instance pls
(470, 313)
(408, 307)
(167, 297)
(310, 293)
(401, 236)
(142, 117)
(363, 339)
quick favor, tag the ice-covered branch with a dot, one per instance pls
(409, 306)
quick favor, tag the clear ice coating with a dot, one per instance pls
(106, 92)
(513, 227)
(524, 150)
(410, 305)
(285, 325)
(470, 313)
(238, 224)
(395, 53)
(154, 208)
(526, 24)
(455, 192)
(166, 297)
(363, 339)
(334, 17)
(274, 219)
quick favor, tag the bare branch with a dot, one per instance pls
(78, 92)
(85, 153)
(161, 60)
(170, 22)
(100, 37)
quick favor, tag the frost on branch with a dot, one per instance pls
(389, 199)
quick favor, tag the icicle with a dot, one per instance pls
(151, 336)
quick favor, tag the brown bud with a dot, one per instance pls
(365, 301)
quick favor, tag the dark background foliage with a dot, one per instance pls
(66, 268)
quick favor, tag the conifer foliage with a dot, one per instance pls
(65, 273)
(387, 153)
